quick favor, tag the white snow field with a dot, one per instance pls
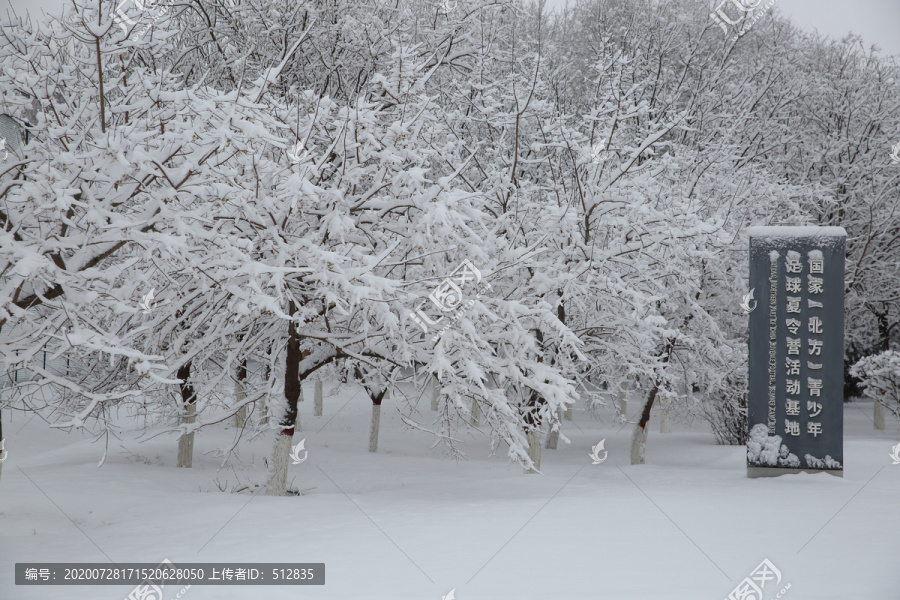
(410, 523)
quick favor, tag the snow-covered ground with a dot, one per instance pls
(410, 523)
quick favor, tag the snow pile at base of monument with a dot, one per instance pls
(818, 463)
(767, 450)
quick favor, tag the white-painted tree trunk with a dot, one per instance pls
(622, 400)
(476, 414)
(186, 441)
(534, 448)
(240, 417)
(435, 392)
(638, 443)
(376, 424)
(879, 416)
(665, 416)
(277, 484)
(317, 408)
(553, 436)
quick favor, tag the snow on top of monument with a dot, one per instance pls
(795, 231)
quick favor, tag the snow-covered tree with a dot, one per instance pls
(880, 379)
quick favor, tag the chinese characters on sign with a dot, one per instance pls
(448, 296)
(797, 348)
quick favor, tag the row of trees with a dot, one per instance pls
(293, 180)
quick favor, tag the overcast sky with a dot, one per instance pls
(878, 21)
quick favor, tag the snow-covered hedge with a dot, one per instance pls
(880, 375)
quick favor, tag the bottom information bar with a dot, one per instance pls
(166, 573)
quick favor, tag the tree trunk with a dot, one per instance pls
(188, 400)
(884, 329)
(297, 425)
(303, 355)
(639, 439)
(879, 416)
(186, 441)
(435, 392)
(240, 418)
(476, 413)
(553, 437)
(376, 423)
(638, 444)
(317, 409)
(533, 435)
(665, 416)
(561, 315)
(532, 418)
(281, 453)
(277, 484)
(376, 419)
(621, 400)
(264, 412)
